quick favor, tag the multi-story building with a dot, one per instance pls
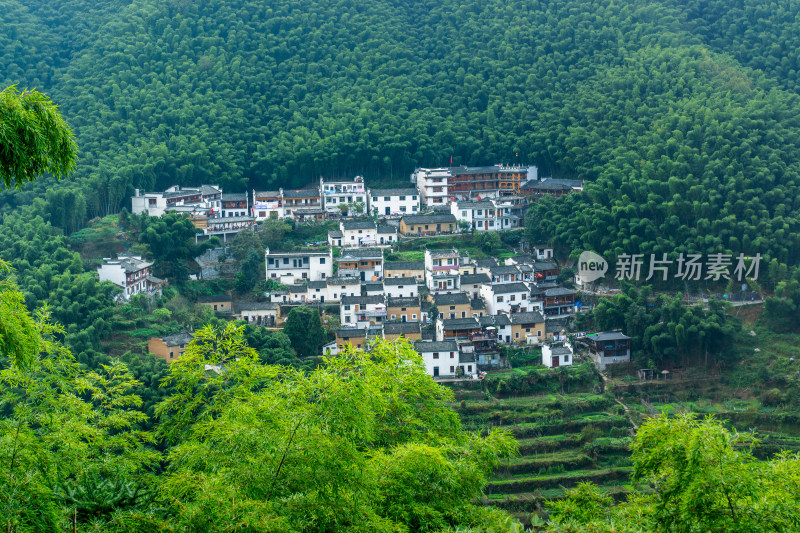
(438, 185)
(432, 184)
(292, 267)
(132, 274)
(442, 270)
(206, 198)
(393, 202)
(505, 297)
(356, 337)
(393, 331)
(608, 348)
(400, 287)
(235, 205)
(405, 269)
(442, 359)
(362, 311)
(265, 314)
(505, 274)
(487, 215)
(267, 204)
(225, 228)
(527, 326)
(545, 271)
(454, 305)
(436, 224)
(470, 284)
(364, 263)
(340, 286)
(559, 302)
(404, 309)
(344, 197)
(303, 204)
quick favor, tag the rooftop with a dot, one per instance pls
(457, 298)
(234, 197)
(400, 281)
(259, 306)
(399, 328)
(403, 302)
(558, 291)
(215, 298)
(475, 279)
(393, 192)
(362, 300)
(608, 336)
(429, 219)
(442, 254)
(532, 317)
(361, 253)
(460, 323)
(494, 320)
(349, 225)
(301, 193)
(177, 339)
(506, 288)
(428, 346)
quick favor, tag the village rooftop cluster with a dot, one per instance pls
(457, 310)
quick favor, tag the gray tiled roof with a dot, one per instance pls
(349, 225)
(177, 339)
(399, 328)
(442, 346)
(467, 279)
(457, 298)
(429, 219)
(400, 281)
(506, 288)
(393, 192)
(532, 317)
(609, 336)
(403, 302)
(460, 323)
(258, 306)
(362, 300)
(361, 253)
(404, 265)
(494, 320)
(301, 193)
(558, 291)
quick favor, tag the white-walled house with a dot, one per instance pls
(340, 286)
(401, 287)
(441, 358)
(235, 205)
(340, 197)
(554, 356)
(296, 267)
(505, 297)
(358, 233)
(362, 311)
(206, 198)
(393, 202)
(441, 270)
(130, 273)
(260, 313)
(432, 184)
(267, 204)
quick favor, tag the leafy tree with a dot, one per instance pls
(171, 241)
(250, 271)
(304, 329)
(366, 442)
(35, 138)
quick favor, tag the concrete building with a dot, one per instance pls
(132, 274)
(436, 224)
(393, 202)
(298, 266)
(404, 309)
(344, 197)
(441, 359)
(405, 269)
(527, 327)
(364, 263)
(401, 287)
(267, 205)
(506, 298)
(220, 303)
(393, 331)
(206, 198)
(303, 204)
(442, 270)
(235, 205)
(265, 314)
(608, 348)
(362, 311)
(454, 305)
(169, 348)
(554, 356)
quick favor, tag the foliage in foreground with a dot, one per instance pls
(366, 442)
(705, 479)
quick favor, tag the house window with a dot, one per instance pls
(321, 260)
(452, 307)
(452, 370)
(452, 355)
(539, 333)
(347, 318)
(394, 316)
(516, 335)
(512, 298)
(346, 307)
(413, 317)
(171, 355)
(386, 198)
(527, 330)
(566, 359)
(402, 198)
(436, 355)
(499, 299)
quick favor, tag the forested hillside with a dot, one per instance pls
(682, 118)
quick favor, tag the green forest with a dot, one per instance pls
(682, 118)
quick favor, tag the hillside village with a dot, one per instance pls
(459, 311)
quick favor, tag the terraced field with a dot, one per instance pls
(564, 439)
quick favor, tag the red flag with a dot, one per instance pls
(451, 160)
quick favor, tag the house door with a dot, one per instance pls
(386, 211)
(436, 371)
(322, 299)
(363, 276)
(555, 361)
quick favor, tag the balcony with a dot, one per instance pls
(377, 312)
(486, 336)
